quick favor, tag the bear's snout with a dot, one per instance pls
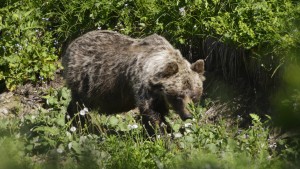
(186, 115)
(180, 105)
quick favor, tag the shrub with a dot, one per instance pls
(27, 48)
(32, 33)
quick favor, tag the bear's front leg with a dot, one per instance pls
(153, 120)
(73, 116)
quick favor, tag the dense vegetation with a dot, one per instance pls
(32, 32)
(33, 35)
(43, 140)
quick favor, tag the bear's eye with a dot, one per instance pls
(195, 99)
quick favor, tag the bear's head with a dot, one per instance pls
(180, 83)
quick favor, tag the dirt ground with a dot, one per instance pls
(27, 98)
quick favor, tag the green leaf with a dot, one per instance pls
(176, 127)
(29, 147)
(189, 139)
(212, 147)
(255, 117)
(113, 121)
(27, 13)
(76, 147)
(123, 127)
(48, 130)
(52, 101)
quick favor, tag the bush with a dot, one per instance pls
(32, 33)
(248, 24)
(26, 46)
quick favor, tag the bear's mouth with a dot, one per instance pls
(185, 114)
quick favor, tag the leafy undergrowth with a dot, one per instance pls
(44, 140)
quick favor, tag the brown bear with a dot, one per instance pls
(113, 73)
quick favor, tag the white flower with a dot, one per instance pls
(274, 145)
(68, 117)
(188, 131)
(134, 126)
(59, 150)
(187, 125)
(70, 145)
(84, 111)
(177, 135)
(182, 11)
(73, 129)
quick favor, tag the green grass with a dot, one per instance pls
(43, 140)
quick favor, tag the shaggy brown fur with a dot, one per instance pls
(114, 73)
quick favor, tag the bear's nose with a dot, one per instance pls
(189, 116)
(185, 116)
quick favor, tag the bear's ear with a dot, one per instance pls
(169, 69)
(198, 66)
